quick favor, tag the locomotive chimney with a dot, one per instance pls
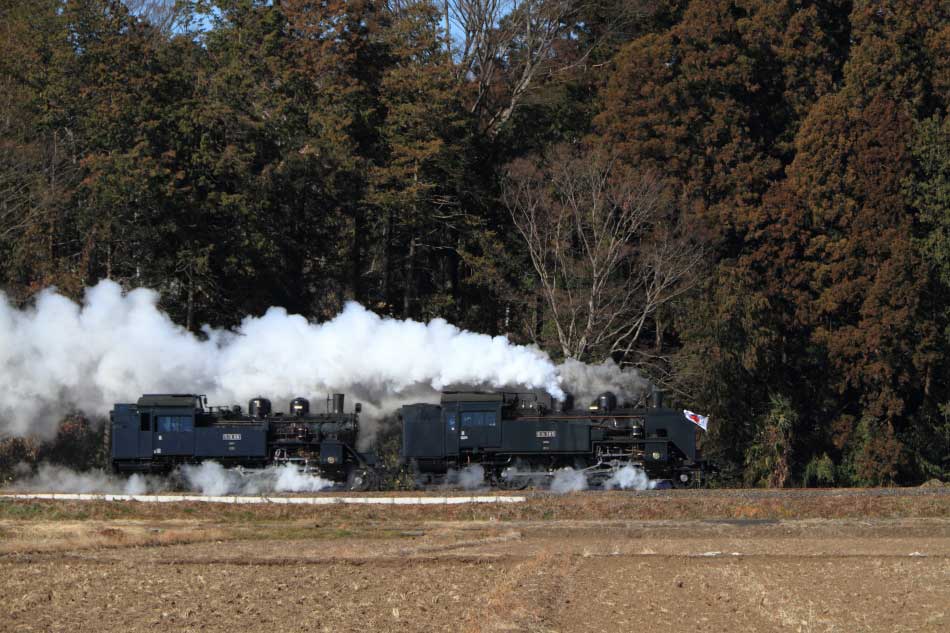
(564, 404)
(337, 403)
(605, 402)
(657, 398)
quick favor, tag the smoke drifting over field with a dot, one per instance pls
(208, 478)
(211, 478)
(55, 478)
(57, 355)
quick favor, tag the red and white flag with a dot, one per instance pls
(702, 421)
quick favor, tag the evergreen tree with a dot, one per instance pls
(422, 136)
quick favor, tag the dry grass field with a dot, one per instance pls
(846, 561)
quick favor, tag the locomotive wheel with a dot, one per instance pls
(686, 479)
(359, 480)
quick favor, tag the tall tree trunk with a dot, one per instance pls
(538, 318)
(388, 260)
(190, 302)
(407, 288)
(454, 281)
(356, 256)
(448, 27)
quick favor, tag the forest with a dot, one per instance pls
(748, 201)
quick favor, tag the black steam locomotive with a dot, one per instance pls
(160, 432)
(517, 439)
(520, 439)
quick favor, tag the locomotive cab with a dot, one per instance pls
(156, 428)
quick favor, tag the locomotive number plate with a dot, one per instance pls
(546, 434)
(231, 437)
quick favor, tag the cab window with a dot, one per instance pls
(479, 418)
(174, 423)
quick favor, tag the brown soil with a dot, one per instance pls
(573, 563)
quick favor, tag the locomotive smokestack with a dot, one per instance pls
(564, 404)
(605, 402)
(657, 398)
(337, 403)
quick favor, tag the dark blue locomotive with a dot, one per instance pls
(162, 431)
(520, 439)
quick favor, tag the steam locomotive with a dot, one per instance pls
(163, 431)
(517, 439)
(521, 439)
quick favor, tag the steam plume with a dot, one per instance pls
(471, 477)
(52, 477)
(208, 478)
(586, 382)
(57, 355)
(630, 478)
(568, 480)
(213, 479)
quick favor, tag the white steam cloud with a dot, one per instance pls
(568, 480)
(208, 478)
(472, 477)
(52, 477)
(213, 479)
(57, 355)
(586, 382)
(630, 478)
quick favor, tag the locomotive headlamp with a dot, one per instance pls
(656, 454)
(331, 460)
(684, 477)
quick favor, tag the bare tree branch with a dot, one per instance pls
(161, 14)
(504, 48)
(601, 244)
(510, 38)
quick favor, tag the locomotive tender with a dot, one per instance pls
(517, 438)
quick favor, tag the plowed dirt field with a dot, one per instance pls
(711, 561)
